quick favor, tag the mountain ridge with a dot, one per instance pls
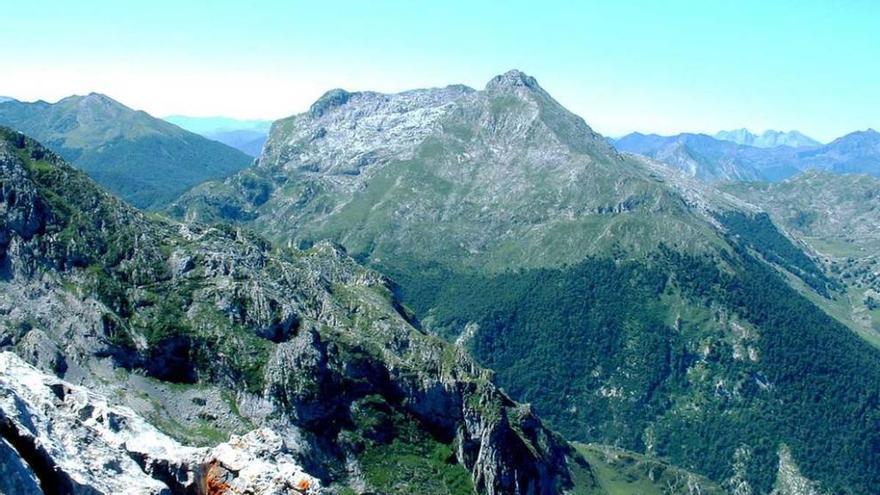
(143, 159)
(247, 136)
(355, 156)
(715, 160)
(767, 139)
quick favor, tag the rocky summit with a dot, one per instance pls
(503, 176)
(768, 138)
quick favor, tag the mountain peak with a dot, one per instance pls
(867, 133)
(768, 139)
(330, 99)
(99, 100)
(859, 142)
(122, 147)
(512, 79)
(93, 96)
(92, 102)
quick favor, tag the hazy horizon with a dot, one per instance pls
(802, 66)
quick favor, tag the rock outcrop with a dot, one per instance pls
(790, 480)
(69, 440)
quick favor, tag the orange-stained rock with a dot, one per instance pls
(215, 482)
(255, 463)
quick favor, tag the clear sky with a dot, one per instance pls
(658, 66)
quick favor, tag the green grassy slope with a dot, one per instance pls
(144, 160)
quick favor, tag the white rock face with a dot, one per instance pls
(73, 440)
(767, 139)
(256, 463)
(357, 130)
(789, 480)
(91, 443)
(16, 477)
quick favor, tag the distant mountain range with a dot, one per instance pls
(767, 139)
(247, 136)
(712, 159)
(6, 98)
(144, 160)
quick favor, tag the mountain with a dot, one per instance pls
(698, 155)
(855, 153)
(208, 331)
(768, 139)
(711, 159)
(144, 160)
(248, 142)
(714, 160)
(838, 217)
(6, 98)
(213, 125)
(355, 153)
(630, 304)
(247, 136)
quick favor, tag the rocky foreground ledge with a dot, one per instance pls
(56, 437)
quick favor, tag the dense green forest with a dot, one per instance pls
(638, 354)
(758, 232)
(151, 171)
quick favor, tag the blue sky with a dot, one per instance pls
(663, 67)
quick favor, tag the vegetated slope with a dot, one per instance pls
(144, 160)
(209, 330)
(712, 159)
(838, 217)
(620, 472)
(630, 304)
